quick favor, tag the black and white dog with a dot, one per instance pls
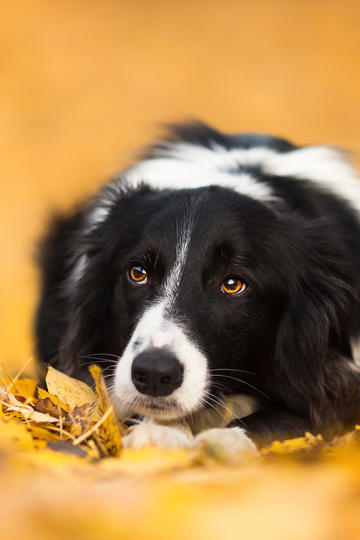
(217, 265)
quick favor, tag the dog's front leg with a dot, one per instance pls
(228, 441)
(150, 434)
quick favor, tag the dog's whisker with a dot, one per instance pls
(98, 361)
(108, 376)
(101, 359)
(230, 369)
(214, 399)
(213, 404)
(102, 365)
(222, 387)
(100, 354)
(241, 381)
(106, 368)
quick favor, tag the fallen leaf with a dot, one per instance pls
(82, 418)
(109, 431)
(47, 406)
(43, 394)
(14, 434)
(71, 391)
(24, 387)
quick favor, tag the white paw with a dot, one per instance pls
(226, 441)
(150, 434)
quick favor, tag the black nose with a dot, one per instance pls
(156, 372)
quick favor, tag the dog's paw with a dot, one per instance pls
(225, 441)
(150, 434)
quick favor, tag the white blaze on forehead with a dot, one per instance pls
(156, 329)
(173, 279)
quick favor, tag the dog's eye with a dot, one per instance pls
(138, 274)
(233, 285)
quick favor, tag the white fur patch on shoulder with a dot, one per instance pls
(177, 173)
(324, 165)
(217, 157)
(228, 440)
(182, 165)
(150, 434)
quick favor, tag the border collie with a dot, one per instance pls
(216, 266)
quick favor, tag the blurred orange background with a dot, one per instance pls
(83, 84)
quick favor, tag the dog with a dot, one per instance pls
(216, 267)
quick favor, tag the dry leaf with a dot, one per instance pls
(83, 418)
(14, 433)
(110, 430)
(23, 387)
(58, 456)
(43, 394)
(71, 391)
(47, 406)
(19, 404)
(67, 416)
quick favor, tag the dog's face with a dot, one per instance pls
(190, 307)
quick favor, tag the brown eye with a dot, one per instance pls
(138, 274)
(233, 285)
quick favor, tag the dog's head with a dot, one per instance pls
(186, 288)
(191, 294)
(199, 299)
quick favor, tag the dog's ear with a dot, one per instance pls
(90, 278)
(88, 328)
(313, 368)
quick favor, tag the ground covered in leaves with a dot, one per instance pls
(64, 474)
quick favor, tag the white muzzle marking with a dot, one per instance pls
(154, 331)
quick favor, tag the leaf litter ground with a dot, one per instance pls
(64, 474)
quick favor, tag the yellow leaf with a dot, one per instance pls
(101, 390)
(110, 429)
(13, 432)
(47, 406)
(82, 418)
(27, 411)
(43, 394)
(43, 432)
(295, 446)
(71, 391)
(24, 387)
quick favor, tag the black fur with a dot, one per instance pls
(291, 329)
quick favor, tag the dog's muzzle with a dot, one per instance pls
(156, 372)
